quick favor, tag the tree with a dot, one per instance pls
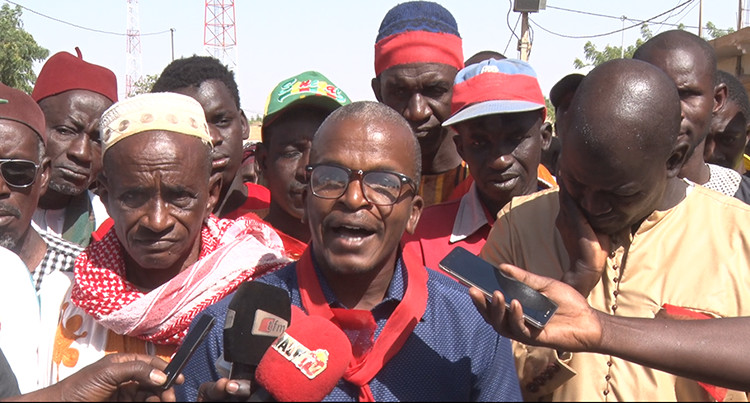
(18, 51)
(715, 32)
(144, 84)
(595, 57)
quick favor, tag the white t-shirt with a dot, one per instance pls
(20, 333)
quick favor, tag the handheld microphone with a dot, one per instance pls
(306, 362)
(257, 314)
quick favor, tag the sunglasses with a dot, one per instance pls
(18, 173)
(381, 188)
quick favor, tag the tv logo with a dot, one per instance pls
(268, 324)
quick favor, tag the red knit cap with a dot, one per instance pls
(15, 105)
(63, 72)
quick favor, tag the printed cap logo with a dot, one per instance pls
(489, 69)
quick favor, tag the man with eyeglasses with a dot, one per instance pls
(25, 172)
(431, 344)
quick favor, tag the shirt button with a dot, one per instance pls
(615, 267)
(615, 292)
(614, 307)
(616, 280)
(606, 392)
(606, 378)
(609, 363)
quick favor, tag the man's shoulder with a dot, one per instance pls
(438, 218)
(59, 245)
(717, 201)
(537, 206)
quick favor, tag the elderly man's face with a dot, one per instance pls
(73, 143)
(351, 235)
(420, 92)
(157, 189)
(17, 204)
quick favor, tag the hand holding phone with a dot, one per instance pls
(473, 271)
(186, 350)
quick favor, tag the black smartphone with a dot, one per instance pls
(194, 337)
(473, 271)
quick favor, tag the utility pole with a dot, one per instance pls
(700, 18)
(525, 45)
(739, 16)
(525, 7)
(171, 34)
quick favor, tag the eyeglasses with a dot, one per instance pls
(18, 173)
(381, 188)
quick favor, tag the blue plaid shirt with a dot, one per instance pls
(452, 354)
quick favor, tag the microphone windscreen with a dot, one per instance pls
(257, 314)
(306, 362)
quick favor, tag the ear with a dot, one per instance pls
(458, 141)
(375, 83)
(720, 97)
(245, 125)
(44, 170)
(417, 204)
(261, 157)
(678, 157)
(546, 131)
(214, 191)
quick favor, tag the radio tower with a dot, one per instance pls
(134, 57)
(220, 32)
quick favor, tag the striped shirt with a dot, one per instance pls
(437, 188)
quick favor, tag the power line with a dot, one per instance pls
(611, 32)
(80, 26)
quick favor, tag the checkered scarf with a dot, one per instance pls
(231, 252)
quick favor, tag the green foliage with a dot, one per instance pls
(594, 57)
(144, 84)
(550, 110)
(18, 51)
(715, 32)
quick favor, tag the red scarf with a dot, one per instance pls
(231, 252)
(369, 359)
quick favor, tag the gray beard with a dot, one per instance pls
(8, 242)
(64, 188)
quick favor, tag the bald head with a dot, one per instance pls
(651, 51)
(625, 106)
(367, 114)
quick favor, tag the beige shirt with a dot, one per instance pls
(695, 255)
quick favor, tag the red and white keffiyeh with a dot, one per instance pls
(231, 252)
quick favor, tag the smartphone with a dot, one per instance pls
(473, 271)
(186, 350)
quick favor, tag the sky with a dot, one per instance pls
(281, 38)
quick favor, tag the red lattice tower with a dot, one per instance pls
(134, 57)
(220, 32)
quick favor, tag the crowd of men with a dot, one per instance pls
(124, 221)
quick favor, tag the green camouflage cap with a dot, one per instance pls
(308, 88)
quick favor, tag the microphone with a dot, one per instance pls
(306, 362)
(257, 314)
